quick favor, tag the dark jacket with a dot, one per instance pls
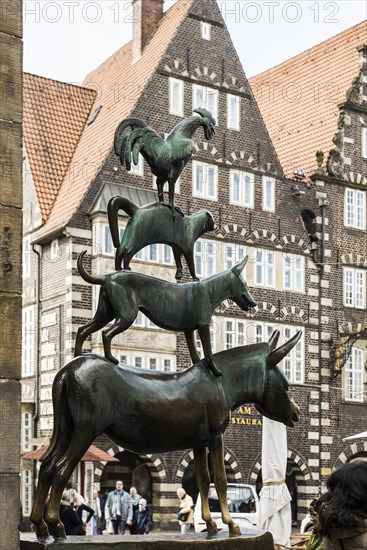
(345, 539)
(141, 525)
(71, 521)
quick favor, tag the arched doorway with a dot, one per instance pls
(132, 469)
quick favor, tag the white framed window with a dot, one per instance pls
(28, 340)
(353, 376)
(27, 432)
(233, 253)
(355, 208)
(264, 267)
(233, 111)
(139, 320)
(165, 187)
(138, 361)
(364, 143)
(294, 362)
(205, 180)
(26, 257)
(203, 96)
(27, 490)
(293, 272)
(54, 249)
(176, 97)
(153, 363)
(263, 332)
(234, 333)
(354, 287)
(241, 188)
(108, 247)
(268, 194)
(153, 252)
(206, 29)
(213, 331)
(137, 169)
(205, 257)
(123, 359)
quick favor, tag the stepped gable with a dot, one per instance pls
(55, 114)
(299, 98)
(118, 84)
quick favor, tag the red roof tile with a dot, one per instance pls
(97, 139)
(299, 98)
(55, 114)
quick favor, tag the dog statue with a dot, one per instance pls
(153, 223)
(186, 307)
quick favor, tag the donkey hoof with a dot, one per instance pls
(59, 532)
(178, 275)
(212, 529)
(234, 530)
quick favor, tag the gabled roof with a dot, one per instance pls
(138, 196)
(299, 98)
(119, 85)
(55, 114)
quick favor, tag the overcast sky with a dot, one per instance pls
(66, 39)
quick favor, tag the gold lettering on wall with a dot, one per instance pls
(241, 417)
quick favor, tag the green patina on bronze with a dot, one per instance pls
(151, 412)
(153, 223)
(187, 307)
(166, 157)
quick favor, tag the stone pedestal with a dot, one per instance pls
(249, 540)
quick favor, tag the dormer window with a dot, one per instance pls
(206, 30)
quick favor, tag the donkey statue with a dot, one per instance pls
(151, 412)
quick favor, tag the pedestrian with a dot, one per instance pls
(118, 509)
(343, 514)
(315, 541)
(72, 522)
(185, 514)
(97, 516)
(142, 523)
(135, 497)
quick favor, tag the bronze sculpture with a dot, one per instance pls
(166, 157)
(91, 396)
(186, 307)
(151, 224)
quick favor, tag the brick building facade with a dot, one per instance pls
(302, 252)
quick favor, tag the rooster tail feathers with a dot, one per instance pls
(133, 123)
(115, 204)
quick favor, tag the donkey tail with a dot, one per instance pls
(114, 205)
(84, 274)
(57, 390)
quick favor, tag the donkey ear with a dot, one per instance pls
(238, 268)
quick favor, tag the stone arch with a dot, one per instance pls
(355, 178)
(354, 259)
(264, 234)
(293, 311)
(349, 451)
(234, 228)
(176, 66)
(205, 146)
(293, 239)
(234, 83)
(242, 155)
(267, 307)
(204, 73)
(153, 462)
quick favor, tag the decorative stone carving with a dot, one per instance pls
(354, 92)
(335, 164)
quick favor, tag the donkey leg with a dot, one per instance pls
(204, 333)
(190, 340)
(63, 469)
(203, 481)
(216, 456)
(44, 483)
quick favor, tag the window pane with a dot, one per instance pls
(198, 175)
(211, 181)
(235, 179)
(108, 244)
(247, 189)
(153, 252)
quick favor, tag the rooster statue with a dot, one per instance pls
(166, 157)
